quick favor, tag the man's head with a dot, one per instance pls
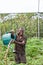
(20, 31)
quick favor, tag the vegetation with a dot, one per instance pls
(34, 46)
(22, 20)
(34, 53)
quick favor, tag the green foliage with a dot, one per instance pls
(21, 20)
(34, 52)
(34, 49)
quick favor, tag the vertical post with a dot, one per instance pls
(38, 20)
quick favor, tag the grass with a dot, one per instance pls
(34, 53)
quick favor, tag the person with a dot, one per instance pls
(12, 34)
(20, 43)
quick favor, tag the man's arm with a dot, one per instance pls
(22, 43)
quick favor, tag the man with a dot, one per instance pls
(20, 43)
(12, 34)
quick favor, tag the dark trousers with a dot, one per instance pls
(20, 58)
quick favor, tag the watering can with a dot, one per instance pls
(6, 38)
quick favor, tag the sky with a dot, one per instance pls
(20, 6)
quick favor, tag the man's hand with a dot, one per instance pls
(23, 42)
(12, 41)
